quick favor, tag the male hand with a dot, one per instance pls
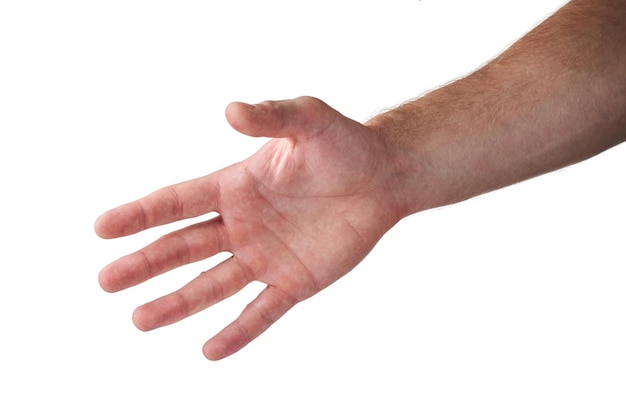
(297, 215)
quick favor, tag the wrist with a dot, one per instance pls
(405, 166)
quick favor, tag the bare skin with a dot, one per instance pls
(297, 215)
(310, 204)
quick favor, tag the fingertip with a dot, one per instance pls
(238, 115)
(141, 320)
(228, 341)
(269, 118)
(119, 275)
(237, 106)
(100, 227)
(106, 281)
(115, 223)
(213, 353)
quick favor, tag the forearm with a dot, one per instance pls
(554, 98)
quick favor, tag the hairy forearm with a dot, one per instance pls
(556, 97)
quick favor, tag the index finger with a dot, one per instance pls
(175, 202)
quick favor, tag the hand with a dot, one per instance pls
(297, 215)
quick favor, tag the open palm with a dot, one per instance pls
(297, 215)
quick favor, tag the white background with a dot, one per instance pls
(510, 304)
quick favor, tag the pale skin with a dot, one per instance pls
(312, 202)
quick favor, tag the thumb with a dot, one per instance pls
(280, 119)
